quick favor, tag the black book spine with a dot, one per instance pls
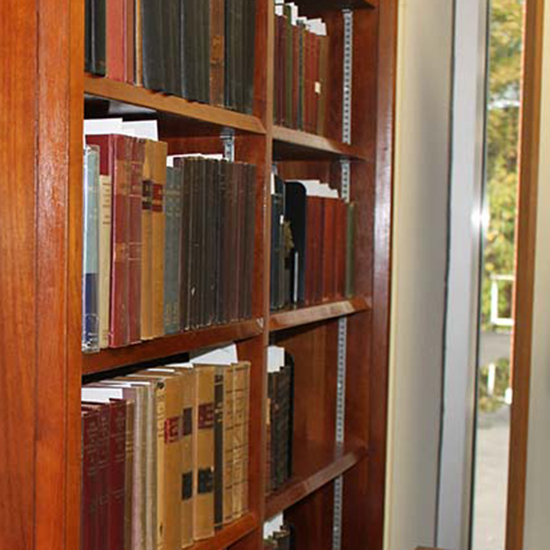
(221, 241)
(215, 244)
(154, 76)
(194, 244)
(249, 54)
(88, 20)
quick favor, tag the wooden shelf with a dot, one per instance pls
(170, 345)
(291, 144)
(326, 465)
(283, 320)
(177, 116)
(228, 535)
(317, 7)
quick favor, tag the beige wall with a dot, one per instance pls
(537, 526)
(419, 269)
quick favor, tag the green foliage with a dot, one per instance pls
(505, 50)
(491, 403)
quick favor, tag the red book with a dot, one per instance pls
(130, 53)
(295, 75)
(115, 155)
(116, 39)
(135, 240)
(116, 474)
(101, 539)
(328, 249)
(89, 530)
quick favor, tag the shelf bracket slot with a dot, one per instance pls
(228, 138)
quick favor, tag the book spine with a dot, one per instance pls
(90, 253)
(105, 234)
(169, 249)
(204, 454)
(217, 52)
(219, 486)
(153, 73)
(240, 430)
(129, 460)
(160, 464)
(89, 486)
(186, 227)
(103, 467)
(177, 268)
(116, 40)
(88, 25)
(188, 455)
(129, 45)
(158, 238)
(138, 43)
(249, 54)
(323, 75)
(135, 240)
(228, 444)
(99, 37)
(147, 243)
(117, 480)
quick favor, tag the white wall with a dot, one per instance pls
(537, 526)
(419, 270)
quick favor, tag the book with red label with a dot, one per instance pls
(115, 155)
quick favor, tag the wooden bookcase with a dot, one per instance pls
(44, 95)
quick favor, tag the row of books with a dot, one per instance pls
(165, 454)
(312, 244)
(301, 70)
(166, 249)
(279, 417)
(202, 50)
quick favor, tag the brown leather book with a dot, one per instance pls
(158, 237)
(147, 241)
(135, 240)
(89, 530)
(115, 155)
(217, 52)
(204, 453)
(138, 43)
(116, 40)
(324, 45)
(172, 453)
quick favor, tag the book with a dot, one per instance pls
(116, 40)
(90, 252)
(105, 231)
(95, 37)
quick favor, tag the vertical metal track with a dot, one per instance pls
(228, 138)
(343, 322)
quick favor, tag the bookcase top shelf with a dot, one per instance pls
(289, 144)
(326, 465)
(283, 320)
(167, 346)
(316, 7)
(106, 97)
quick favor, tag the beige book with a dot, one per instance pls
(187, 459)
(156, 475)
(203, 431)
(104, 284)
(228, 443)
(158, 238)
(146, 242)
(240, 438)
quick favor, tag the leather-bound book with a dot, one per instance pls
(129, 462)
(170, 37)
(152, 50)
(172, 250)
(350, 250)
(250, 234)
(219, 454)
(217, 52)
(187, 373)
(228, 389)
(301, 75)
(323, 83)
(296, 70)
(89, 530)
(317, 207)
(116, 40)
(329, 249)
(158, 237)
(240, 438)
(172, 439)
(102, 538)
(296, 212)
(138, 43)
(249, 54)
(204, 452)
(289, 67)
(225, 252)
(147, 242)
(135, 240)
(90, 251)
(115, 155)
(95, 37)
(130, 46)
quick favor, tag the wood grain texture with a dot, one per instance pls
(326, 464)
(18, 293)
(283, 320)
(525, 271)
(109, 359)
(229, 535)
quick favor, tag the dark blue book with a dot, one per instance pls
(90, 252)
